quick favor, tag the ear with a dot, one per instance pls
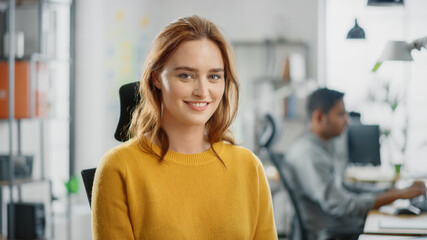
(156, 79)
(317, 116)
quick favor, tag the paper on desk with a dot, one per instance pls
(407, 223)
(369, 174)
(388, 237)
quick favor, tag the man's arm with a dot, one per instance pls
(416, 189)
(313, 171)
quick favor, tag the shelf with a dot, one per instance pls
(42, 21)
(284, 90)
(20, 2)
(271, 42)
(38, 58)
(5, 238)
(17, 182)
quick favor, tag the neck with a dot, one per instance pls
(319, 133)
(186, 139)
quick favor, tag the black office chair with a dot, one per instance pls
(129, 97)
(266, 139)
(88, 176)
(299, 230)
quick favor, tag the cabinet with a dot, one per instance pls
(35, 104)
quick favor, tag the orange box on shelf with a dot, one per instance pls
(24, 95)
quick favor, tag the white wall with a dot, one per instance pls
(90, 84)
(349, 64)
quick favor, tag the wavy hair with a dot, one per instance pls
(147, 114)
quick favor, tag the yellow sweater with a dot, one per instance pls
(188, 196)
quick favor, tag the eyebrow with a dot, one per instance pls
(195, 70)
(217, 70)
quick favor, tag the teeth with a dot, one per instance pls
(198, 104)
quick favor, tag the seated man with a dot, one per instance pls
(311, 160)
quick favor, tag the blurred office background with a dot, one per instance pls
(284, 49)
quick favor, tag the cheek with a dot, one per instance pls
(173, 90)
(337, 123)
(165, 84)
(219, 92)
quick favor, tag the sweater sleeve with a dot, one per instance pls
(266, 228)
(110, 213)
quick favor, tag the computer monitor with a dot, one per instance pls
(364, 144)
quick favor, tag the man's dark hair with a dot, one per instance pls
(323, 99)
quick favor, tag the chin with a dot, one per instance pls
(337, 134)
(196, 122)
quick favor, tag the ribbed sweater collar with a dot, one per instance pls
(190, 159)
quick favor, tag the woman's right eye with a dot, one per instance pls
(184, 76)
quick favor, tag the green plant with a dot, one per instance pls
(395, 136)
(72, 185)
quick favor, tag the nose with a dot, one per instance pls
(347, 119)
(200, 87)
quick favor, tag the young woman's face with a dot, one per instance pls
(192, 83)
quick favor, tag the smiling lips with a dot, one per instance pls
(198, 106)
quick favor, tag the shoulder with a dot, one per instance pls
(305, 145)
(121, 154)
(235, 154)
(307, 151)
(123, 148)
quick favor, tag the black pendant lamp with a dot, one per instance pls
(386, 3)
(356, 32)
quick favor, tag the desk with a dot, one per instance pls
(375, 219)
(388, 237)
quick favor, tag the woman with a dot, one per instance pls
(180, 176)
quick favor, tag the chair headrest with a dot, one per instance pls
(268, 131)
(129, 98)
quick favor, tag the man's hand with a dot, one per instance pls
(416, 189)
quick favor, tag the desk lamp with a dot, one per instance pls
(400, 51)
